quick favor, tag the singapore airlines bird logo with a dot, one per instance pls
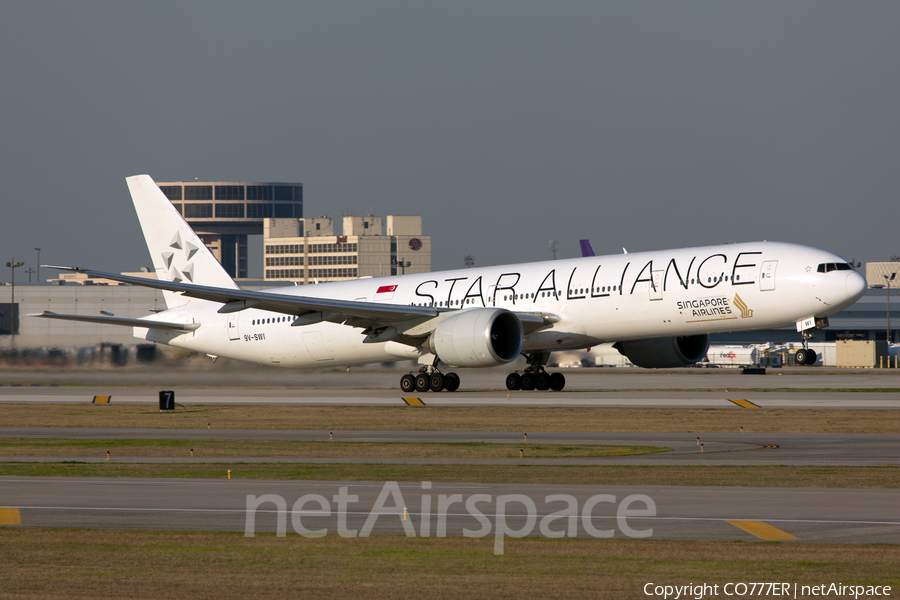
(746, 312)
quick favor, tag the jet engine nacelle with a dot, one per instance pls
(478, 337)
(664, 353)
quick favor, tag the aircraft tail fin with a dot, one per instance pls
(586, 248)
(177, 252)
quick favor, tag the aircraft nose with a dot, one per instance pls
(856, 285)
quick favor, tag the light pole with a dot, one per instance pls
(38, 265)
(29, 270)
(888, 280)
(13, 265)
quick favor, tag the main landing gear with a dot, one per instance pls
(535, 377)
(429, 379)
(805, 356)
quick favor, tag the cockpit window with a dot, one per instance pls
(829, 267)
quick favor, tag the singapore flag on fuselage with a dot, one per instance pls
(385, 292)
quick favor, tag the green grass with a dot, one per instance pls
(306, 449)
(451, 418)
(55, 564)
(749, 476)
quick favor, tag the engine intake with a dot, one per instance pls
(478, 337)
(665, 353)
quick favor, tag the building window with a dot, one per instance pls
(9, 318)
(287, 211)
(229, 192)
(198, 211)
(284, 273)
(259, 192)
(259, 211)
(172, 192)
(229, 211)
(178, 208)
(333, 260)
(281, 261)
(198, 192)
(288, 193)
(283, 249)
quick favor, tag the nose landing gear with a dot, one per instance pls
(805, 356)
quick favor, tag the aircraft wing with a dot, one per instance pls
(372, 315)
(119, 321)
(310, 310)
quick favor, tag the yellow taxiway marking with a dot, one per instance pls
(101, 399)
(744, 403)
(413, 402)
(763, 531)
(10, 516)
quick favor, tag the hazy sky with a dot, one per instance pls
(637, 124)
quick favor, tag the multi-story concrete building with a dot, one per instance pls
(307, 250)
(224, 213)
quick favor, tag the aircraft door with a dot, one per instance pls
(767, 275)
(656, 291)
(320, 348)
(233, 331)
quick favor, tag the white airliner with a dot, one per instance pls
(657, 307)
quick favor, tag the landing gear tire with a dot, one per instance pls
(528, 382)
(542, 382)
(451, 382)
(422, 383)
(811, 357)
(557, 382)
(407, 383)
(513, 381)
(801, 357)
(436, 382)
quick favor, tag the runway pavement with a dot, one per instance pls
(716, 513)
(387, 397)
(659, 512)
(225, 375)
(718, 449)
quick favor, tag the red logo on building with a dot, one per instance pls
(415, 244)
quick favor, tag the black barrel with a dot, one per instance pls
(166, 400)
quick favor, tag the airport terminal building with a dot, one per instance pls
(305, 251)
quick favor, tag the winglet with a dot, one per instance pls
(586, 248)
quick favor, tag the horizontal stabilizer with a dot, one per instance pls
(120, 321)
